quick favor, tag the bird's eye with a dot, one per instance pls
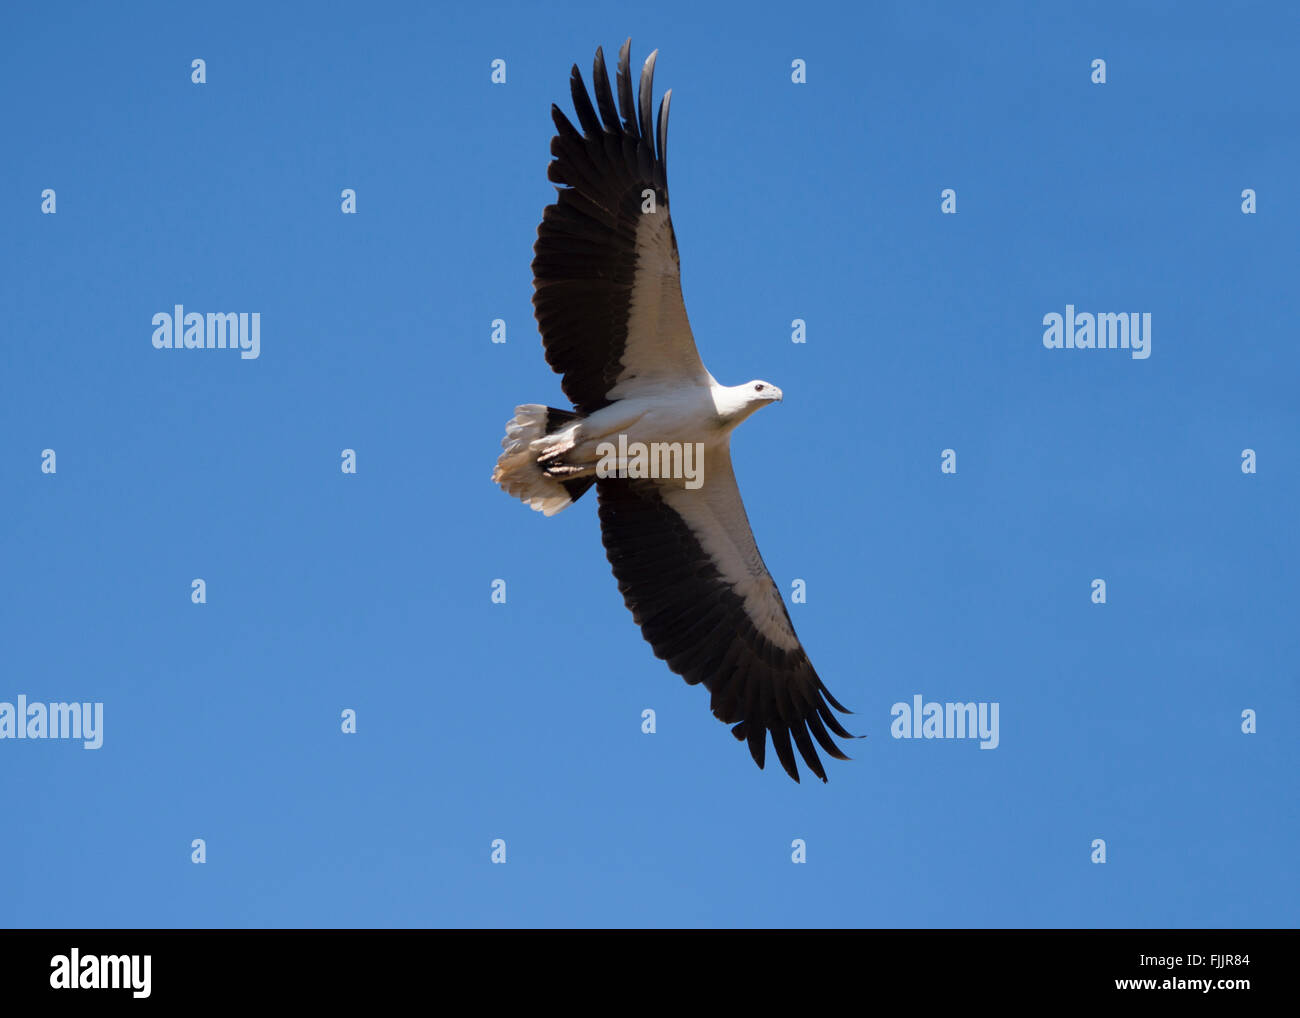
(758, 388)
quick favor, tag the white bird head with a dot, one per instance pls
(736, 402)
(763, 392)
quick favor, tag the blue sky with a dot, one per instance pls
(521, 721)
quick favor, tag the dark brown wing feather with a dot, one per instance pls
(695, 621)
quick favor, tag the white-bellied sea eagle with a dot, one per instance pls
(608, 300)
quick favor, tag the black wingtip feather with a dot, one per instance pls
(784, 751)
(626, 104)
(582, 103)
(831, 700)
(604, 97)
(823, 739)
(800, 733)
(757, 738)
(647, 96)
(663, 130)
(832, 722)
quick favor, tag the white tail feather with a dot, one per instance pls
(517, 470)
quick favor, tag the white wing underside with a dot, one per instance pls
(660, 351)
(716, 515)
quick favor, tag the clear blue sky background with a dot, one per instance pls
(522, 721)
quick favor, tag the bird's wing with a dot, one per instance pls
(607, 286)
(688, 568)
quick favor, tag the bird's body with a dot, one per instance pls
(697, 416)
(609, 305)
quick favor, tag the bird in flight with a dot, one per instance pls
(651, 428)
